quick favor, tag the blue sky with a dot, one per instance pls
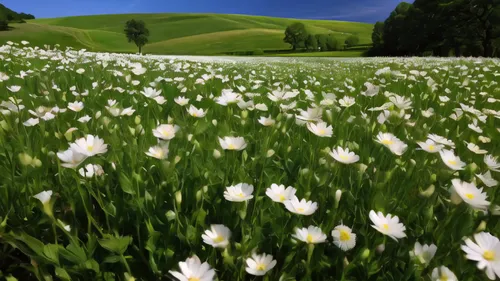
(348, 10)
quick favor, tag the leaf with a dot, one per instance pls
(116, 245)
(62, 274)
(126, 184)
(111, 259)
(110, 209)
(92, 265)
(51, 252)
(73, 253)
(10, 278)
(33, 243)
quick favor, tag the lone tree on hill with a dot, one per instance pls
(136, 32)
(295, 35)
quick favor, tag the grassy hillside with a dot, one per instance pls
(176, 33)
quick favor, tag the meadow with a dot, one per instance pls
(127, 167)
(193, 34)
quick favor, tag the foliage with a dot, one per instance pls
(10, 15)
(4, 24)
(296, 35)
(136, 32)
(351, 41)
(311, 43)
(441, 27)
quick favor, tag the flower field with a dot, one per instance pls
(125, 167)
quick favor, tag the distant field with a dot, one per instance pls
(324, 54)
(196, 34)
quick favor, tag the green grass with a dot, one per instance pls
(202, 34)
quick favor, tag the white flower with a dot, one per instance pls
(90, 170)
(266, 121)
(80, 71)
(239, 193)
(443, 273)
(430, 146)
(259, 265)
(14, 88)
(182, 101)
(486, 251)
(89, 146)
(347, 101)
(279, 194)
(451, 160)
(469, 193)
(158, 151)
(193, 270)
(75, 106)
(492, 163)
(475, 148)
(441, 140)
(400, 102)
(388, 225)
(487, 179)
(232, 143)
(302, 207)
(218, 236)
(228, 97)
(261, 107)
(195, 112)
(344, 156)
(343, 237)
(151, 93)
(475, 128)
(394, 144)
(165, 131)
(84, 119)
(424, 253)
(31, 122)
(321, 129)
(44, 196)
(311, 115)
(280, 96)
(371, 90)
(71, 158)
(310, 235)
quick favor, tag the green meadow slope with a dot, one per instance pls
(197, 34)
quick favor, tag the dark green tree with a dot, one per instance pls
(332, 43)
(321, 39)
(378, 34)
(311, 43)
(352, 40)
(295, 35)
(4, 24)
(137, 32)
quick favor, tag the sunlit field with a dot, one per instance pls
(125, 167)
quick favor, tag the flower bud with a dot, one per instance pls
(214, 122)
(36, 162)
(199, 193)
(481, 227)
(177, 159)
(365, 254)
(171, 215)
(190, 137)
(98, 114)
(270, 153)
(428, 192)
(216, 154)
(178, 197)
(380, 248)
(137, 120)
(170, 120)
(244, 114)
(25, 159)
(338, 195)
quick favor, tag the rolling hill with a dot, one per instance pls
(194, 34)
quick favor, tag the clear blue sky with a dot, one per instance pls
(348, 10)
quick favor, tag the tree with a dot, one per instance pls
(321, 39)
(331, 43)
(137, 32)
(352, 40)
(4, 24)
(295, 35)
(311, 43)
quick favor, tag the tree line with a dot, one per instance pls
(440, 28)
(298, 37)
(7, 16)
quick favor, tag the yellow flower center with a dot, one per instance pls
(90, 147)
(300, 210)
(432, 147)
(282, 198)
(261, 267)
(469, 195)
(218, 239)
(452, 162)
(385, 226)
(344, 236)
(309, 238)
(321, 131)
(444, 277)
(489, 255)
(241, 195)
(231, 146)
(387, 142)
(194, 279)
(344, 157)
(194, 114)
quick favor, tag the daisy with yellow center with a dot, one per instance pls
(343, 237)
(310, 235)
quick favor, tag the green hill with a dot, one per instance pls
(201, 34)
